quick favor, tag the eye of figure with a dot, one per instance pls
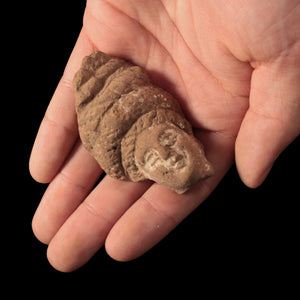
(168, 137)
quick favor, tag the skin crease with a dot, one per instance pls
(233, 65)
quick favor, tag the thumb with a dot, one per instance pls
(272, 121)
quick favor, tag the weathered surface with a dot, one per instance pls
(134, 129)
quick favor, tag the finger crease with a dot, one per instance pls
(91, 209)
(267, 116)
(54, 123)
(63, 176)
(159, 211)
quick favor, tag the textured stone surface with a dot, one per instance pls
(134, 129)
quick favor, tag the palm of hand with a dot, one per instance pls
(222, 62)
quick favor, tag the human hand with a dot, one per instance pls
(234, 68)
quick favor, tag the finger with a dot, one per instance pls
(272, 121)
(63, 195)
(86, 229)
(160, 210)
(58, 130)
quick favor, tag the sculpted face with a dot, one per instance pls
(167, 155)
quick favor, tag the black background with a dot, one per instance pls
(240, 236)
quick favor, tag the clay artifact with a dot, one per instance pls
(134, 129)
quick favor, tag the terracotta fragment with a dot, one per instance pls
(134, 129)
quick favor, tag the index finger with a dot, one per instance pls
(58, 130)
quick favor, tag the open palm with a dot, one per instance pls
(235, 69)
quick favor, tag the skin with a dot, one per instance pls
(233, 65)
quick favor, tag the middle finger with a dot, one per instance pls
(85, 231)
